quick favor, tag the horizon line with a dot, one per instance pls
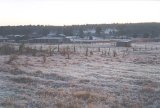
(77, 24)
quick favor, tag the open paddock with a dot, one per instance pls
(97, 75)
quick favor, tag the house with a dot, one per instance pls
(156, 40)
(52, 34)
(16, 38)
(72, 38)
(46, 40)
(123, 43)
(52, 37)
(49, 40)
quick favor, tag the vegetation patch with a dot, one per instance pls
(23, 79)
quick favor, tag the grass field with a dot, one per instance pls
(82, 76)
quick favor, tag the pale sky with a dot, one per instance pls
(68, 12)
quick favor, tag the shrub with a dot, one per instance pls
(21, 48)
(68, 52)
(86, 54)
(63, 51)
(23, 79)
(50, 51)
(58, 48)
(34, 51)
(114, 53)
(12, 58)
(99, 49)
(74, 48)
(108, 51)
(44, 58)
(7, 49)
(91, 52)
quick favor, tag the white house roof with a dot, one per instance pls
(124, 40)
(108, 30)
(52, 34)
(61, 35)
(71, 37)
(93, 31)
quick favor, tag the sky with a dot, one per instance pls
(71, 12)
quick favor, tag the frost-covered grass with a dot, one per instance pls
(105, 77)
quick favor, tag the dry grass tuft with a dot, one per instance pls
(46, 93)
(10, 102)
(148, 88)
(88, 96)
(63, 98)
(23, 79)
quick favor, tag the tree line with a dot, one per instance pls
(128, 29)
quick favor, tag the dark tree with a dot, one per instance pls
(81, 33)
(98, 31)
(90, 38)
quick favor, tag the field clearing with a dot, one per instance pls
(83, 76)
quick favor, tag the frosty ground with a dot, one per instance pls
(107, 77)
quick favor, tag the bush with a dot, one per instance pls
(7, 49)
(12, 58)
(23, 79)
(21, 48)
(114, 53)
(44, 58)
